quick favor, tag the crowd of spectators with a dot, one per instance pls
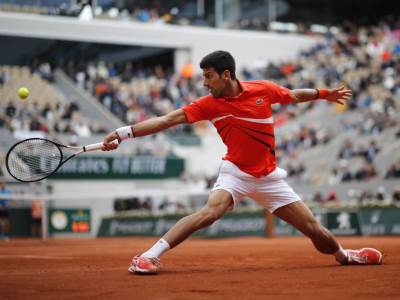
(304, 137)
(139, 11)
(250, 15)
(366, 59)
(40, 68)
(380, 196)
(348, 152)
(144, 13)
(326, 200)
(367, 170)
(295, 169)
(374, 196)
(149, 205)
(63, 118)
(37, 114)
(344, 174)
(134, 93)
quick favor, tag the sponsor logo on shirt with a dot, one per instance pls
(259, 101)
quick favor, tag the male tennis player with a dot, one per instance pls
(241, 112)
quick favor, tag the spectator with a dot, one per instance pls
(344, 174)
(10, 110)
(4, 210)
(365, 197)
(318, 198)
(36, 217)
(372, 151)
(381, 194)
(347, 150)
(148, 204)
(396, 196)
(332, 198)
(187, 70)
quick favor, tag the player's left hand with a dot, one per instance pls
(339, 95)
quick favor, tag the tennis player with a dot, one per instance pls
(241, 112)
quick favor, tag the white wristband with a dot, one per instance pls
(125, 132)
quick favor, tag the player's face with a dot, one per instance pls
(214, 82)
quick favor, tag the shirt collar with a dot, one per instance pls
(244, 87)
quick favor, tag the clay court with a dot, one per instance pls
(237, 268)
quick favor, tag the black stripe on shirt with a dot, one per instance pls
(222, 128)
(258, 131)
(260, 141)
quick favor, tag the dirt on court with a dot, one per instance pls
(234, 268)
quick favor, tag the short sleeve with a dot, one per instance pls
(277, 93)
(197, 110)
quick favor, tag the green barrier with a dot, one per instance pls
(380, 221)
(69, 220)
(138, 167)
(185, 139)
(284, 229)
(341, 222)
(232, 224)
(237, 224)
(351, 222)
(20, 222)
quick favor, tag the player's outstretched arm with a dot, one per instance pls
(337, 95)
(146, 127)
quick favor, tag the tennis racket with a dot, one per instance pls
(35, 159)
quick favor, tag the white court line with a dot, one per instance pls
(34, 256)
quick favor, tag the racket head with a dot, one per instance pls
(33, 159)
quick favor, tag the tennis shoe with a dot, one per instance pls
(144, 265)
(364, 256)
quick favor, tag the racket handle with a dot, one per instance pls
(97, 146)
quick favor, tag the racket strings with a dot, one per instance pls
(33, 159)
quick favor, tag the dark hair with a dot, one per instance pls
(220, 61)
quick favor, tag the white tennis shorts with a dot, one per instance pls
(270, 191)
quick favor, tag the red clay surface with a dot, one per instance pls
(236, 268)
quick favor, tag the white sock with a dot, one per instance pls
(158, 249)
(341, 255)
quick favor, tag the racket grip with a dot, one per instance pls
(97, 146)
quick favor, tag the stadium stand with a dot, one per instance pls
(47, 110)
(312, 139)
(96, 65)
(363, 58)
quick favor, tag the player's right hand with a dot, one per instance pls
(107, 142)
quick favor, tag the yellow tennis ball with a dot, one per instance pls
(23, 92)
